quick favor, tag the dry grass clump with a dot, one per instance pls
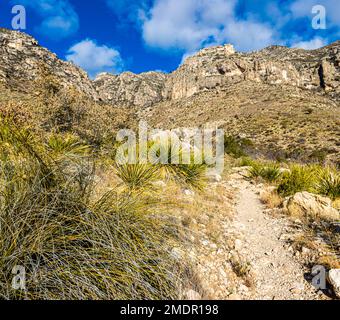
(271, 199)
(72, 246)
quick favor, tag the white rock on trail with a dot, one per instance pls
(334, 279)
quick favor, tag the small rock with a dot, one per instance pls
(234, 296)
(192, 295)
(305, 251)
(243, 288)
(205, 242)
(214, 177)
(188, 193)
(334, 279)
(213, 246)
(299, 288)
(238, 244)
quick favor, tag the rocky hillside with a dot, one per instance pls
(211, 68)
(285, 101)
(220, 67)
(22, 60)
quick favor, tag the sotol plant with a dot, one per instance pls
(71, 246)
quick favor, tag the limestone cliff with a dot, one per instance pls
(212, 68)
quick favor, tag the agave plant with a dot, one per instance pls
(299, 178)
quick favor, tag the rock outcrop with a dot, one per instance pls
(311, 205)
(221, 67)
(22, 60)
(334, 279)
(128, 88)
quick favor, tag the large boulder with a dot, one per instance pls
(311, 205)
(334, 279)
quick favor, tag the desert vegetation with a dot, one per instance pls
(73, 241)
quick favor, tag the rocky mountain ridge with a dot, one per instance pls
(210, 68)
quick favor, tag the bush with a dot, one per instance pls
(298, 179)
(268, 172)
(245, 162)
(329, 183)
(234, 147)
(71, 246)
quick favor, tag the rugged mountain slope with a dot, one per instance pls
(219, 67)
(280, 121)
(130, 89)
(22, 61)
(286, 101)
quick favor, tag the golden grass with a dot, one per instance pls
(271, 199)
(76, 236)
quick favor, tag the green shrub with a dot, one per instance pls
(137, 176)
(268, 172)
(245, 162)
(329, 183)
(298, 179)
(233, 147)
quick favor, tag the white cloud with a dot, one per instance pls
(185, 25)
(95, 58)
(313, 44)
(59, 19)
(303, 8)
(190, 25)
(248, 35)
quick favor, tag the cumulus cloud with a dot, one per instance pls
(95, 58)
(303, 8)
(187, 26)
(190, 25)
(59, 19)
(312, 44)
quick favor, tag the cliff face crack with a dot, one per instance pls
(321, 75)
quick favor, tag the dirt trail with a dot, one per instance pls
(277, 273)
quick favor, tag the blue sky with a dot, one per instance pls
(143, 35)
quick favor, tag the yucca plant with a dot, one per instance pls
(299, 178)
(67, 145)
(268, 172)
(70, 246)
(329, 183)
(137, 176)
(271, 173)
(188, 172)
